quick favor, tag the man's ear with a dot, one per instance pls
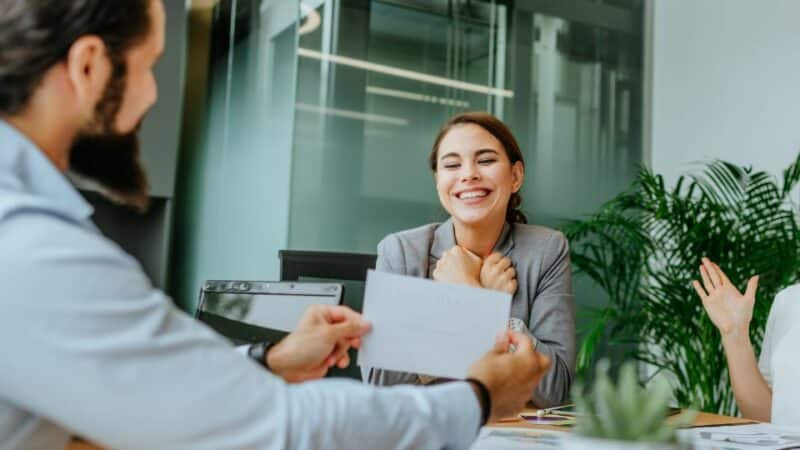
(517, 176)
(88, 70)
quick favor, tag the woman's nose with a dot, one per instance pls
(469, 172)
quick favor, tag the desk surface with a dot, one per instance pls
(702, 420)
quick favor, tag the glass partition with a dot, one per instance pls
(319, 116)
(375, 81)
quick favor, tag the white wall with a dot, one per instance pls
(725, 83)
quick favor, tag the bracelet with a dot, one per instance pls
(259, 353)
(485, 399)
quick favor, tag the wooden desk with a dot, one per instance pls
(702, 420)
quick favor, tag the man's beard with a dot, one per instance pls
(110, 159)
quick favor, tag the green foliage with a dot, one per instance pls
(626, 411)
(643, 249)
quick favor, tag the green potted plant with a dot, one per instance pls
(643, 249)
(625, 415)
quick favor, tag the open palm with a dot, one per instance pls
(729, 309)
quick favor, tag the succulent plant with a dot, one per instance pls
(626, 411)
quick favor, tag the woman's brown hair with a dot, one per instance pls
(501, 132)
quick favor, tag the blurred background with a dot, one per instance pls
(306, 125)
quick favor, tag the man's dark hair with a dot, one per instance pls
(37, 34)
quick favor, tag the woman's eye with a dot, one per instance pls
(486, 162)
(451, 165)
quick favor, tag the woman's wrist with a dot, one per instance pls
(736, 338)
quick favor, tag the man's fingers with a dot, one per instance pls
(502, 341)
(543, 362)
(706, 280)
(752, 286)
(504, 264)
(521, 341)
(344, 361)
(700, 291)
(349, 329)
(339, 352)
(340, 314)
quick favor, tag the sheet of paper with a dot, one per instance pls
(429, 327)
(762, 436)
(501, 438)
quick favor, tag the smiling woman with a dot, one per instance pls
(479, 169)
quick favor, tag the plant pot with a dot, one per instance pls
(575, 442)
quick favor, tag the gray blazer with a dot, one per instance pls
(543, 300)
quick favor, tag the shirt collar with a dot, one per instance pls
(444, 238)
(26, 169)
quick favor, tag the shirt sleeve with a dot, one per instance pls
(93, 347)
(772, 333)
(552, 323)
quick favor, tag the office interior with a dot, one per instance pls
(306, 125)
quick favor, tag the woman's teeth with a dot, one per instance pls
(473, 194)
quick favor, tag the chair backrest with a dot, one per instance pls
(329, 265)
(350, 269)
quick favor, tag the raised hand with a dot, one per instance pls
(497, 273)
(319, 342)
(460, 266)
(729, 309)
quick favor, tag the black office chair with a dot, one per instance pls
(350, 269)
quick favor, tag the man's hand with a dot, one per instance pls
(321, 341)
(460, 266)
(729, 310)
(510, 377)
(497, 273)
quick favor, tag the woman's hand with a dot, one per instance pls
(460, 266)
(497, 273)
(729, 310)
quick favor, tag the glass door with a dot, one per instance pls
(376, 79)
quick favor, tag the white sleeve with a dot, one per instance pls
(771, 336)
(91, 346)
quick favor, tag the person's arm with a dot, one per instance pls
(552, 323)
(91, 346)
(731, 312)
(753, 395)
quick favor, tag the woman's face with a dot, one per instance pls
(474, 176)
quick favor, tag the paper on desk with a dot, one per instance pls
(501, 438)
(429, 327)
(762, 436)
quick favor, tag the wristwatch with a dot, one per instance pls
(258, 352)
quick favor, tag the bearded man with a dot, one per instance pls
(88, 346)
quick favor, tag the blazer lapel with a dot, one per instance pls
(444, 238)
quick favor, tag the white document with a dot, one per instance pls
(429, 327)
(501, 438)
(761, 436)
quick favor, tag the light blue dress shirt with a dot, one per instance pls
(88, 346)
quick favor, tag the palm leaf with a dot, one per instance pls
(643, 249)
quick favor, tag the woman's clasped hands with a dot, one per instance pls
(460, 266)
